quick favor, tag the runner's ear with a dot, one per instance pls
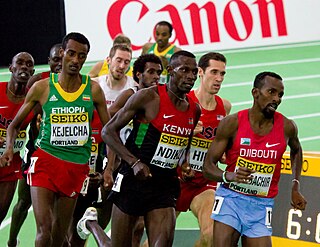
(169, 69)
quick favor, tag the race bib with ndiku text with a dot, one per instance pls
(169, 150)
(260, 184)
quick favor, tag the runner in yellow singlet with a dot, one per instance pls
(102, 67)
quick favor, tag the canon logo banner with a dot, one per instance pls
(236, 15)
(199, 25)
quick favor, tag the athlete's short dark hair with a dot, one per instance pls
(205, 59)
(165, 23)
(259, 79)
(140, 64)
(121, 39)
(76, 37)
(119, 47)
(178, 54)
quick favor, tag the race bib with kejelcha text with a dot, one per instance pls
(70, 129)
(260, 184)
(169, 151)
(19, 142)
(198, 151)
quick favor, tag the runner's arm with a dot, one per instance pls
(291, 131)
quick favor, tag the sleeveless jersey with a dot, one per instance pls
(261, 153)
(105, 69)
(111, 94)
(45, 74)
(8, 111)
(201, 141)
(167, 53)
(160, 142)
(65, 129)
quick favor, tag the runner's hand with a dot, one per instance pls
(297, 200)
(223, 158)
(187, 173)
(95, 179)
(141, 171)
(242, 175)
(6, 158)
(108, 179)
(198, 129)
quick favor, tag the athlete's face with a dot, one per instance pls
(150, 75)
(55, 60)
(212, 78)
(162, 35)
(73, 56)
(269, 97)
(22, 67)
(119, 64)
(184, 73)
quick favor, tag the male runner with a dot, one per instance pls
(147, 184)
(20, 210)
(102, 67)
(59, 165)
(162, 48)
(12, 96)
(147, 70)
(198, 193)
(254, 140)
(116, 81)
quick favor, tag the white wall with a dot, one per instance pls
(221, 24)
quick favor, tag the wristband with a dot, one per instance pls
(296, 180)
(224, 179)
(135, 163)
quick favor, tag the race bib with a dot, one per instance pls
(93, 157)
(125, 132)
(85, 186)
(33, 161)
(117, 183)
(218, 201)
(19, 142)
(260, 184)
(198, 151)
(69, 129)
(268, 216)
(169, 151)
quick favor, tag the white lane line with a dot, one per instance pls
(271, 47)
(294, 78)
(8, 221)
(298, 96)
(242, 66)
(312, 138)
(305, 116)
(37, 70)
